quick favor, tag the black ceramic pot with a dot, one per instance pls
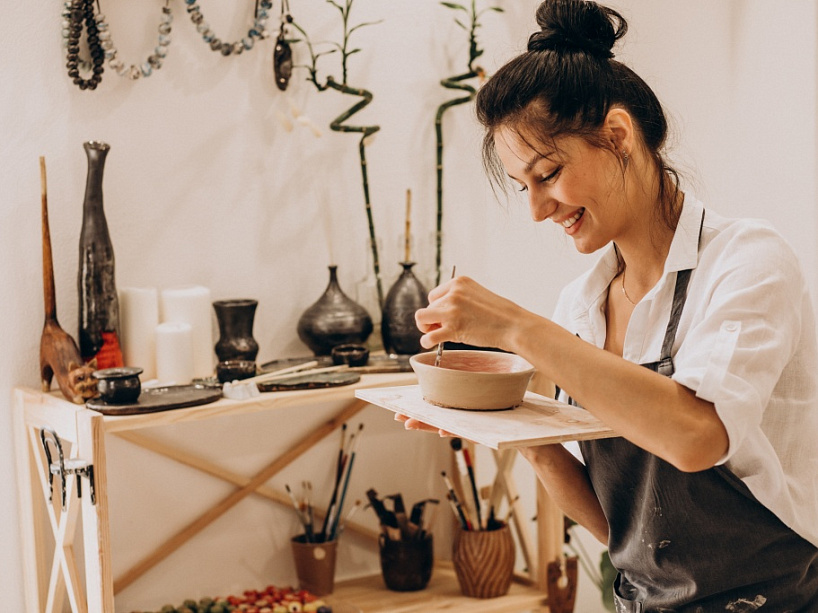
(235, 319)
(398, 328)
(335, 319)
(119, 385)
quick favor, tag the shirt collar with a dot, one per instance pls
(683, 254)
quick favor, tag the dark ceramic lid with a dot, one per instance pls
(120, 372)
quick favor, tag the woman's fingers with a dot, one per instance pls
(410, 423)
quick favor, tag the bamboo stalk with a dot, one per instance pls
(407, 239)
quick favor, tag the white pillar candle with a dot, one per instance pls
(138, 318)
(192, 305)
(174, 353)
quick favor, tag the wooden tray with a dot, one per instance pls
(537, 421)
(378, 363)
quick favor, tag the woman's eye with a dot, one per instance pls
(522, 188)
(549, 178)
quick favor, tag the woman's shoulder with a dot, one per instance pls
(744, 237)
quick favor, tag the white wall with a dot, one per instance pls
(203, 185)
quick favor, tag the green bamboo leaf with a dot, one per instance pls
(478, 53)
(367, 23)
(457, 21)
(451, 5)
(353, 51)
(335, 4)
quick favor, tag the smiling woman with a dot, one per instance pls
(703, 360)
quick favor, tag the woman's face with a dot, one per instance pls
(579, 186)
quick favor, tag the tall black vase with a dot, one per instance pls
(235, 319)
(335, 319)
(98, 301)
(398, 328)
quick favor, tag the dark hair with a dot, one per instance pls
(565, 84)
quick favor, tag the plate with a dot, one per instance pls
(155, 399)
(309, 382)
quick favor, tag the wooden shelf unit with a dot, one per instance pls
(48, 582)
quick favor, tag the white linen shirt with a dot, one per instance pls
(746, 342)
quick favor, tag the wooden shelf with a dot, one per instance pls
(51, 579)
(442, 594)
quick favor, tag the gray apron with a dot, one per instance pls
(694, 542)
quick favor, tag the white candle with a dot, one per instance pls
(139, 316)
(192, 305)
(174, 353)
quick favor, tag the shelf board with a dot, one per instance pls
(442, 594)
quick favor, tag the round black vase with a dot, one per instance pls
(335, 319)
(398, 328)
(235, 318)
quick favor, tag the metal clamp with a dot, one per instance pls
(63, 468)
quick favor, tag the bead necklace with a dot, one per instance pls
(154, 60)
(77, 12)
(257, 30)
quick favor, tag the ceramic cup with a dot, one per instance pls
(353, 355)
(406, 564)
(314, 565)
(119, 385)
(484, 561)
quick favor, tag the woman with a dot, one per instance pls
(692, 337)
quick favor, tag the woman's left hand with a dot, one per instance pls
(463, 311)
(410, 423)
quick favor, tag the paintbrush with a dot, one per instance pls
(464, 521)
(439, 355)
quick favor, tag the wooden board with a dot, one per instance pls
(537, 421)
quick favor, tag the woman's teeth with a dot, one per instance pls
(570, 222)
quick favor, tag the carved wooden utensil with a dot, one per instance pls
(59, 354)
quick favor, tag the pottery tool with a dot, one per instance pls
(308, 535)
(387, 519)
(439, 355)
(339, 467)
(407, 239)
(247, 388)
(334, 523)
(464, 521)
(457, 445)
(406, 531)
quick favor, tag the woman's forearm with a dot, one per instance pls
(566, 481)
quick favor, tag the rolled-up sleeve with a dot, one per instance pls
(745, 328)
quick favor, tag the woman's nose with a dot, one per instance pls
(541, 207)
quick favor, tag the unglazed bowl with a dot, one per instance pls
(471, 379)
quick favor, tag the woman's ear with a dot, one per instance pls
(619, 129)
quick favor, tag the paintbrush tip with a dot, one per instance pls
(457, 444)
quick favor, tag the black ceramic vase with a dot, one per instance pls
(98, 301)
(335, 319)
(398, 328)
(235, 319)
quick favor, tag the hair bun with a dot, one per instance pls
(577, 26)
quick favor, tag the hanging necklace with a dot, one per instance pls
(74, 14)
(154, 60)
(624, 293)
(257, 30)
(282, 53)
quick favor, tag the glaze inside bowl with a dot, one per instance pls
(473, 379)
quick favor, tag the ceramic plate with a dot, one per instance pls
(155, 399)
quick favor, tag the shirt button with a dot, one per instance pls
(731, 327)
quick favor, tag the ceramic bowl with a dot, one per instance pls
(235, 370)
(354, 355)
(120, 385)
(476, 380)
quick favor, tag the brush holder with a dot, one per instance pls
(315, 564)
(406, 564)
(484, 561)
